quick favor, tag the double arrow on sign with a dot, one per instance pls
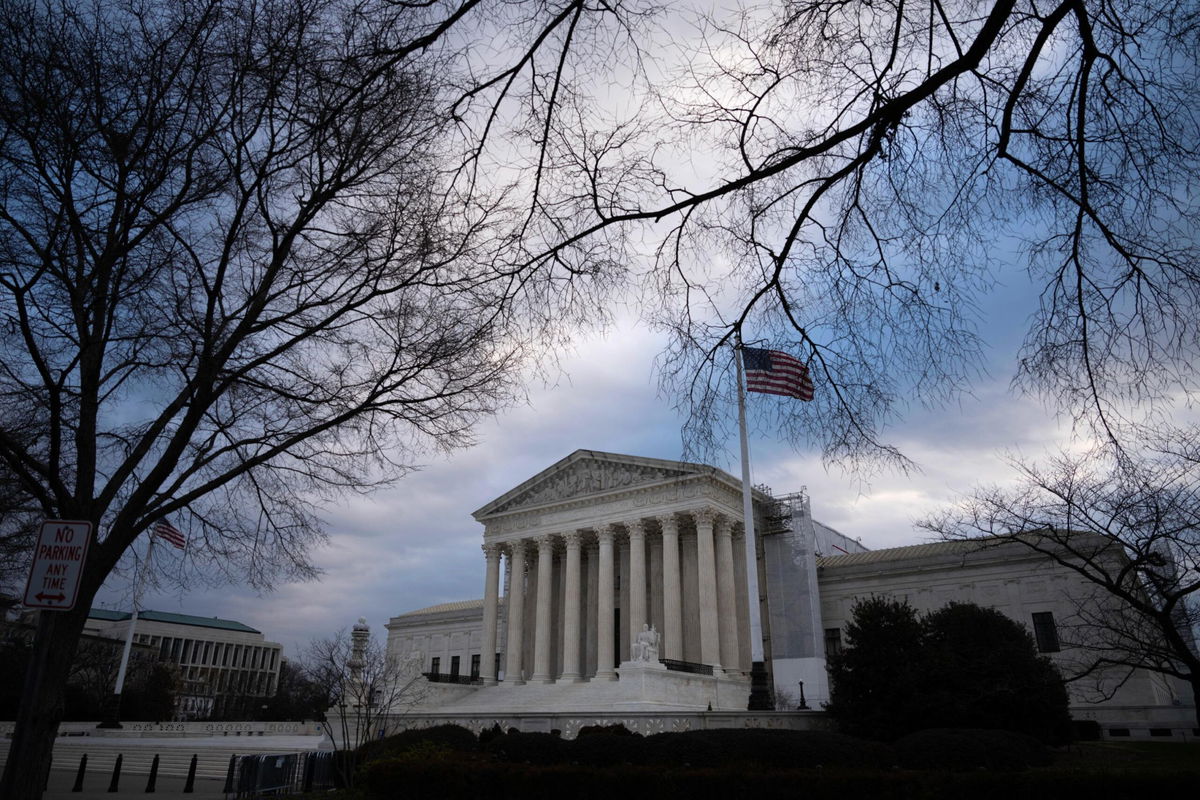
(56, 597)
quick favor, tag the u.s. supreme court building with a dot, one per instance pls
(615, 590)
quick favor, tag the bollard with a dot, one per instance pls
(150, 784)
(229, 775)
(78, 787)
(116, 776)
(190, 786)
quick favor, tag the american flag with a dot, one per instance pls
(774, 372)
(165, 530)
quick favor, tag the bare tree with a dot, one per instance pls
(365, 687)
(239, 273)
(248, 246)
(849, 181)
(1130, 528)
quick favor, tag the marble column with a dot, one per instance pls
(516, 613)
(541, 636)
(743, 601)
(491, 600)
(637, 577)
(571, 669)
(604, 607)
(726, 595)
(672, 589)
(710, 636)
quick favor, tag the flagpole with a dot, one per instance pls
(759, 692)
(137, 599)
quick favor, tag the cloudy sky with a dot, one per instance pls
(416, 544)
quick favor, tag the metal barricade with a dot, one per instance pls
(280, 774)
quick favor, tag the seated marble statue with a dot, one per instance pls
(645, 646)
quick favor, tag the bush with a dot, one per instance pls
(605, 750)
(1085, 730)
(961, 666)
(450, 738)
(605, 730)
(528, 748)
(797, 749)
(683, 749)
(957, 749)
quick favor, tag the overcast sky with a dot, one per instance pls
(416, 544)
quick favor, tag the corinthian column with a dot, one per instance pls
(710, 636)
(541, 636)
(726, 596)
(491, 598)
(604, 607)
(571, 670)
(516, 613)
(637, 576)
(672, 589)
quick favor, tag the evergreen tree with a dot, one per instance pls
(962, 666)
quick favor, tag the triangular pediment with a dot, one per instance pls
(589, 472)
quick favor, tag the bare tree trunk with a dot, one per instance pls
(41, 709)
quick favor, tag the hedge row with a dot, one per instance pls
(753, 748)
(398, 777)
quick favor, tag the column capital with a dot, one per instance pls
(739, 530)
(516, 547)
(636, 528)
(572, 539)
(705, 516)
(605, 533)
(723, 526)
(492, 550)
(669, 522)
(545, 541)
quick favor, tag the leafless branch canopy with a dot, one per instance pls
(1130, 528)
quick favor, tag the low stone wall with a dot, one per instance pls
(181, 729)
(643, 722)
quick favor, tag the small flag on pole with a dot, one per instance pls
(165, 530)
(775, 372)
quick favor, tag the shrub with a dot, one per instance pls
(683, 749)
(783, 749)
(606, 730)
(606, 750)
(961, 666)
(528, 748)
(450, 738)
(957, 749)
(1085, 730)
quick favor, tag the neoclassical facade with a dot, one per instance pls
(600, 545)
(580, 557)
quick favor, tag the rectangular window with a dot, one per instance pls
(187, 651)
(164, 648)
(454, 666)
(435, 666)
(1045, 632)
(475, 667)
(207, 652)
(497, 673)
(833, 641)
(175, 645)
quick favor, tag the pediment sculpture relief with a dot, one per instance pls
(589, 477)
